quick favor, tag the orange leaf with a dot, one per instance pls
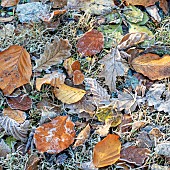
(152, 66)
(107, 151)
(91, 43)
(9, 3)
(69, 94)
(15, 68)
(55, 136)
(78, 77)
(17, 115)
(75, 65)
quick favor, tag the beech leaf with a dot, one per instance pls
(114, 66)
(15, 68)
(92, 42)
(69, 94)
(107, 151)
(54, 53)
(55, 136)
(152, 66)
(78, 77)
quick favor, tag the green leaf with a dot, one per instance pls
(145, 19)
(11, 141)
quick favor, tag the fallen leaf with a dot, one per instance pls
(61, 158)
(17, 115)
(137, 125)
(55, 79)
(82, 136)
(135, 155)
(97, 7)
(156, 133)
(68, 94)
(15, 68)
(67, 65)
(159, 167)
(75, 65)
(9, 3)
(32, 162)
(126, 125)
(132, 39)
(4, 149)
(114, 66)
(7, 19)
(153, 11)
(107, 151)
(163, 149)
(11, 127)
(78, 77)
(21, 102)
(54, 53)
(88, 166)
(97, 93)
(152, 66)
(91, 43)
(55, 136)
(59, 3)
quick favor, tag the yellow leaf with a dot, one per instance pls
(54, 79)
(69, 94)
(107, 151)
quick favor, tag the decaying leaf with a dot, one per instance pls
(98, 94)
(78, 77)
(153, 11)
(132, 39)
(159, 167)
(163, 149)
(152, 66)
(32, 163)
(126, 101)
(4, 149)
(11, 127)
(92, 42)
(68, 65)
(55, 136)
(97, 7)
(156, 133)
(7, 19)
(107, 151)
(17, 115)
(82, 136)
(126, 125)
(137, 125)
(59, 3)
(69, 94)
(9, 3)
(134, 154)
(114, 66)
(15, 68)
(54, 53)
(55, 79)
(21, 102)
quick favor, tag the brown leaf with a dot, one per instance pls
(135, 155)
(9, 3)
(75, 65)
(138, 124)
(17, 115)
(114, 66)
(153, 66)
(82, 136)
(78, 77)
(156, 133)
(59, 3)
(107, 151)
(54, 53)
(32, 163)
(132, 39)
(55, 79)
(21, 102)
(125, 125)
(55, 136)
(92, 42)
(7, 19)
(69, 94)
(67, 65)
(15, 68)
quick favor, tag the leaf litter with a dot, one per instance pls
(84, 54)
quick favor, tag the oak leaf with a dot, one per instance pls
(15, 68)
(135, 155)
(107, 151)
(69, 94)
(21, 102)
(9, 3)
(92, 42)
(55, 79)
(54, 53)
(114, 66)
(55, 136)
(152, 65)
(82, 136)
(17, 115)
